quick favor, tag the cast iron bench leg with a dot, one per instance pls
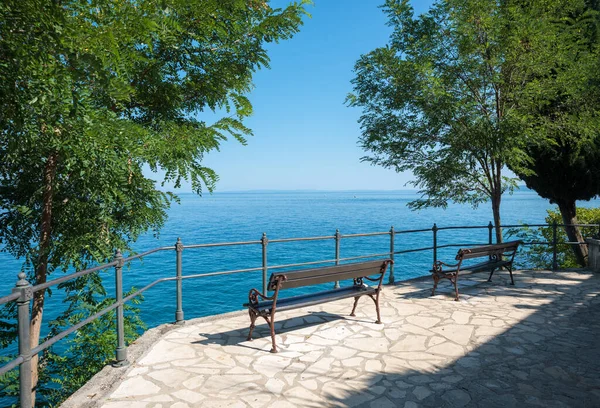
(355, 304)
(454, 280)
(436, 279)
(272, 326)
(376, 300)
(252, 323)
(490, 278)
(512, 282)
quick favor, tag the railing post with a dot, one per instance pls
(264, 241)
(435, 230)
(490, 230)
(121, 351)
(337, 254)
(392, 237)
(23, 303)
(554, 250)
(179, 310)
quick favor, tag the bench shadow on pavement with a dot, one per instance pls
(283, 326)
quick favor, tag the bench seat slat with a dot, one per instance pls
(478, 252)
(296, 283)
(483, 266)
(316, 276)
(311, 299)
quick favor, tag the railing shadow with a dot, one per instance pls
(551, 358)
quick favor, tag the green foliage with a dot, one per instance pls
(93, 346)
(434, 101)
(93, 93)
(107, 89)
(559, 106)
(473, 86)
(540, 255)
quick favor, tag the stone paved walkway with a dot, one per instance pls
(535, 344)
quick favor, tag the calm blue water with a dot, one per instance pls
(227, 217)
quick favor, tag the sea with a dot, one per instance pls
(244, 216)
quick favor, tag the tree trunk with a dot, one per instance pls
(496, 198)
(41, 271)
(496, 190)
(568, 210)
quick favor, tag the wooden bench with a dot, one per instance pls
(498, 255)
(260, 305)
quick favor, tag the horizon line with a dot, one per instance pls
(308, 190)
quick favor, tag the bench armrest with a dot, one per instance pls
(440, 263)
(438, 269)
(381, 273)
(254, 294)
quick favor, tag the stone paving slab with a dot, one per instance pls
(532, 344)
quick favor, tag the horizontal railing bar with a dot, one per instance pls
(145, 288)
(470, 244)
(522, 243)
(95, 269)
(411, 231)
(219, 244)
(527, 225)
(62, 335)
(550, 243)
(62, 279)
(13, 364)
(302, 264)
(200, 275)
(9, 298)
(406, 251)
(368, 234)
(548, 225)
(302, 239)
(143, 254)
(463, 227)
(366, 256)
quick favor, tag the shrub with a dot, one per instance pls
(539, 253)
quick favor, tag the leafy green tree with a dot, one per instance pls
(560, 107)
(436, 101)
(92, 92)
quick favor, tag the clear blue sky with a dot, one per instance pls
(304, 135)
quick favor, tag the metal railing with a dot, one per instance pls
(23, 291)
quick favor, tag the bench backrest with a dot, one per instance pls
(492, 251)
(308, 277)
